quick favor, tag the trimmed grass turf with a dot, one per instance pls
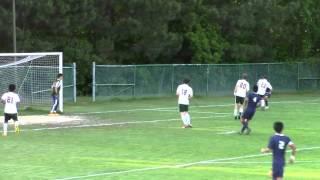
(73, 152)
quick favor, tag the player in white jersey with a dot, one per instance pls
(56, 85)
(184, 93)
(264, 90)
(10, 100)
(240, 92)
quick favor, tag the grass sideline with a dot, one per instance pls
(155, 146)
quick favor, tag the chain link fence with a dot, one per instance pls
(206, 79)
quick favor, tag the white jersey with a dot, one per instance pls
(242, 87)
(10, 99)
(263, 84)
(184, 91)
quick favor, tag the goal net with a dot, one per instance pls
(33, 74)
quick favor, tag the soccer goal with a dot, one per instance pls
(33, 74)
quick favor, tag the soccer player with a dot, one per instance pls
(264, 90)
(10, 100)
(250, 104)
(184, 93)
(56, 85)
(277, 145)
(240, 92)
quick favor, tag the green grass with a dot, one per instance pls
(131, 149)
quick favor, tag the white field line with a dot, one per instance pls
(173, 108)
(113, 124)
(148, 109)
(192, 112)
(213, 161)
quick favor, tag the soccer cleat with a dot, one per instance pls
(267, 107)
(53, 114)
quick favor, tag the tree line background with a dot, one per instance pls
(163, 31)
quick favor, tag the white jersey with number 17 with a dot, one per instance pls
(184, 91)
(263, 84)
(242, 87)
(10, 99)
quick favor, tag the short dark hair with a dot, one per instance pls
(255, 88)
(59, 75)
(278, 126)
(186, 80)
(244, 75)
(12, 87)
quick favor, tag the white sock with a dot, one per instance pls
(241, 110)
(235, 112)
(5, 128)
(188, 119)
(262, 103)
(183, 118)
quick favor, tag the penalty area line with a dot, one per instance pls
(114, 124)
(213, 161)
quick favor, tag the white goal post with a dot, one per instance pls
(33, 75)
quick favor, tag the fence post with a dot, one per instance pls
(74, 70)
(93, 81)
(208, 72)
(172, 78)
(134, 80)
(298, 78)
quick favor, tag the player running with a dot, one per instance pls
(250, 104)
(184, 93)
(264, 90)
(56, 85)
(10, 100)
(240, 92)
(277, 145)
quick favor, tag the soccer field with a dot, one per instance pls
(143, 139)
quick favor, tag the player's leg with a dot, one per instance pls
(5, 125)
(188, 117)
(241, 101)
(243, 122)
(183, 115)
(267, 101)
(277, 172)
(16, 123)
(54, 104)
(262, 102)
(235, 110)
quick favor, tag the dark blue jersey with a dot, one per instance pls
(278, 144)
(253, 100)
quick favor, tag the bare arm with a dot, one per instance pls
(266, 150)
(293, 152)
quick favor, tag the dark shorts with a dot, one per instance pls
(268, 94)
(239, 100)
(277, 171)
(248, 115)
(183, 108)
(7, 117)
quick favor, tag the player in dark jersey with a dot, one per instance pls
(277, 145)
(251, 103)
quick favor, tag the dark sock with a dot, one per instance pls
(266, 103)
(244, 127)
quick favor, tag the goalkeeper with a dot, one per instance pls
(56, 85)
